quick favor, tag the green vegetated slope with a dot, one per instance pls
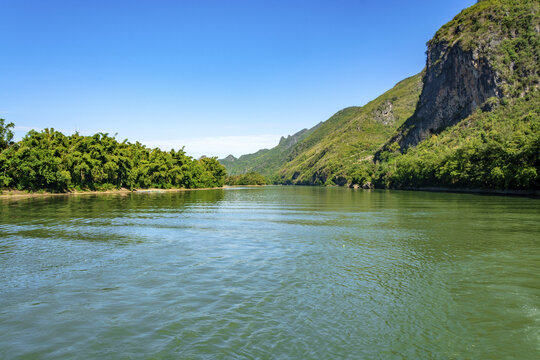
(265, 161)
(350, 136)
(498, 149)
(470, 120)
(323, 154)
(487, 53)
(497, 145)
(49, 160)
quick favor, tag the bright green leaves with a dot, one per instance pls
(6, 135)
(49, 160)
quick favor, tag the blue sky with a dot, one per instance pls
(219, 77)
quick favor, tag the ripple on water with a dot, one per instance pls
(277, 272)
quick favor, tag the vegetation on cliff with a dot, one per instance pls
(497, 149)
(489, 53)
(506, 33)
(478, 112)
(327, 155)
(471, 120)
(49, 160)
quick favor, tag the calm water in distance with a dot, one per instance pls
(270, 273)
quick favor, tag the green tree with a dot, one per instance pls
(6, 135)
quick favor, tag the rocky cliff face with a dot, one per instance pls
(384, 113)
(456, 82)
(489, 50)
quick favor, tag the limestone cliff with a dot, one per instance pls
(487, 51)
(457, 82)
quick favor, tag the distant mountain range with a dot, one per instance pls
(470, 119)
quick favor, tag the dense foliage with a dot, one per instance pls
(506, 32)
(323, 154)
(495, 148)
(50, 160)
(352, 134)
(498, 149)
(250, 178)
(6, 135)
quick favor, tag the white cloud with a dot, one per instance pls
(219, 146)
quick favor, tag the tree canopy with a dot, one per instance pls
(49, 160)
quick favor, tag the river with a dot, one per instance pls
(270, 273)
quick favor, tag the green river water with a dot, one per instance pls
(270, 273)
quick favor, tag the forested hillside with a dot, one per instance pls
(49, 160)
(497, 149)
(477, 123)
(488, 53)
(469, 120)
(353, 134)
(266, 161)
(326, 153)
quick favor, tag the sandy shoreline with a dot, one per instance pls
(18, 194)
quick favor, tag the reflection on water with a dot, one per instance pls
(275, 272)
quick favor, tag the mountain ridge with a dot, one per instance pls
(265, 161)
(482, 70)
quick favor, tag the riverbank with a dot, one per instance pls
(16, 194)
(479, 191)
(533, 193)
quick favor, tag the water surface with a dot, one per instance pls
(275, 272)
